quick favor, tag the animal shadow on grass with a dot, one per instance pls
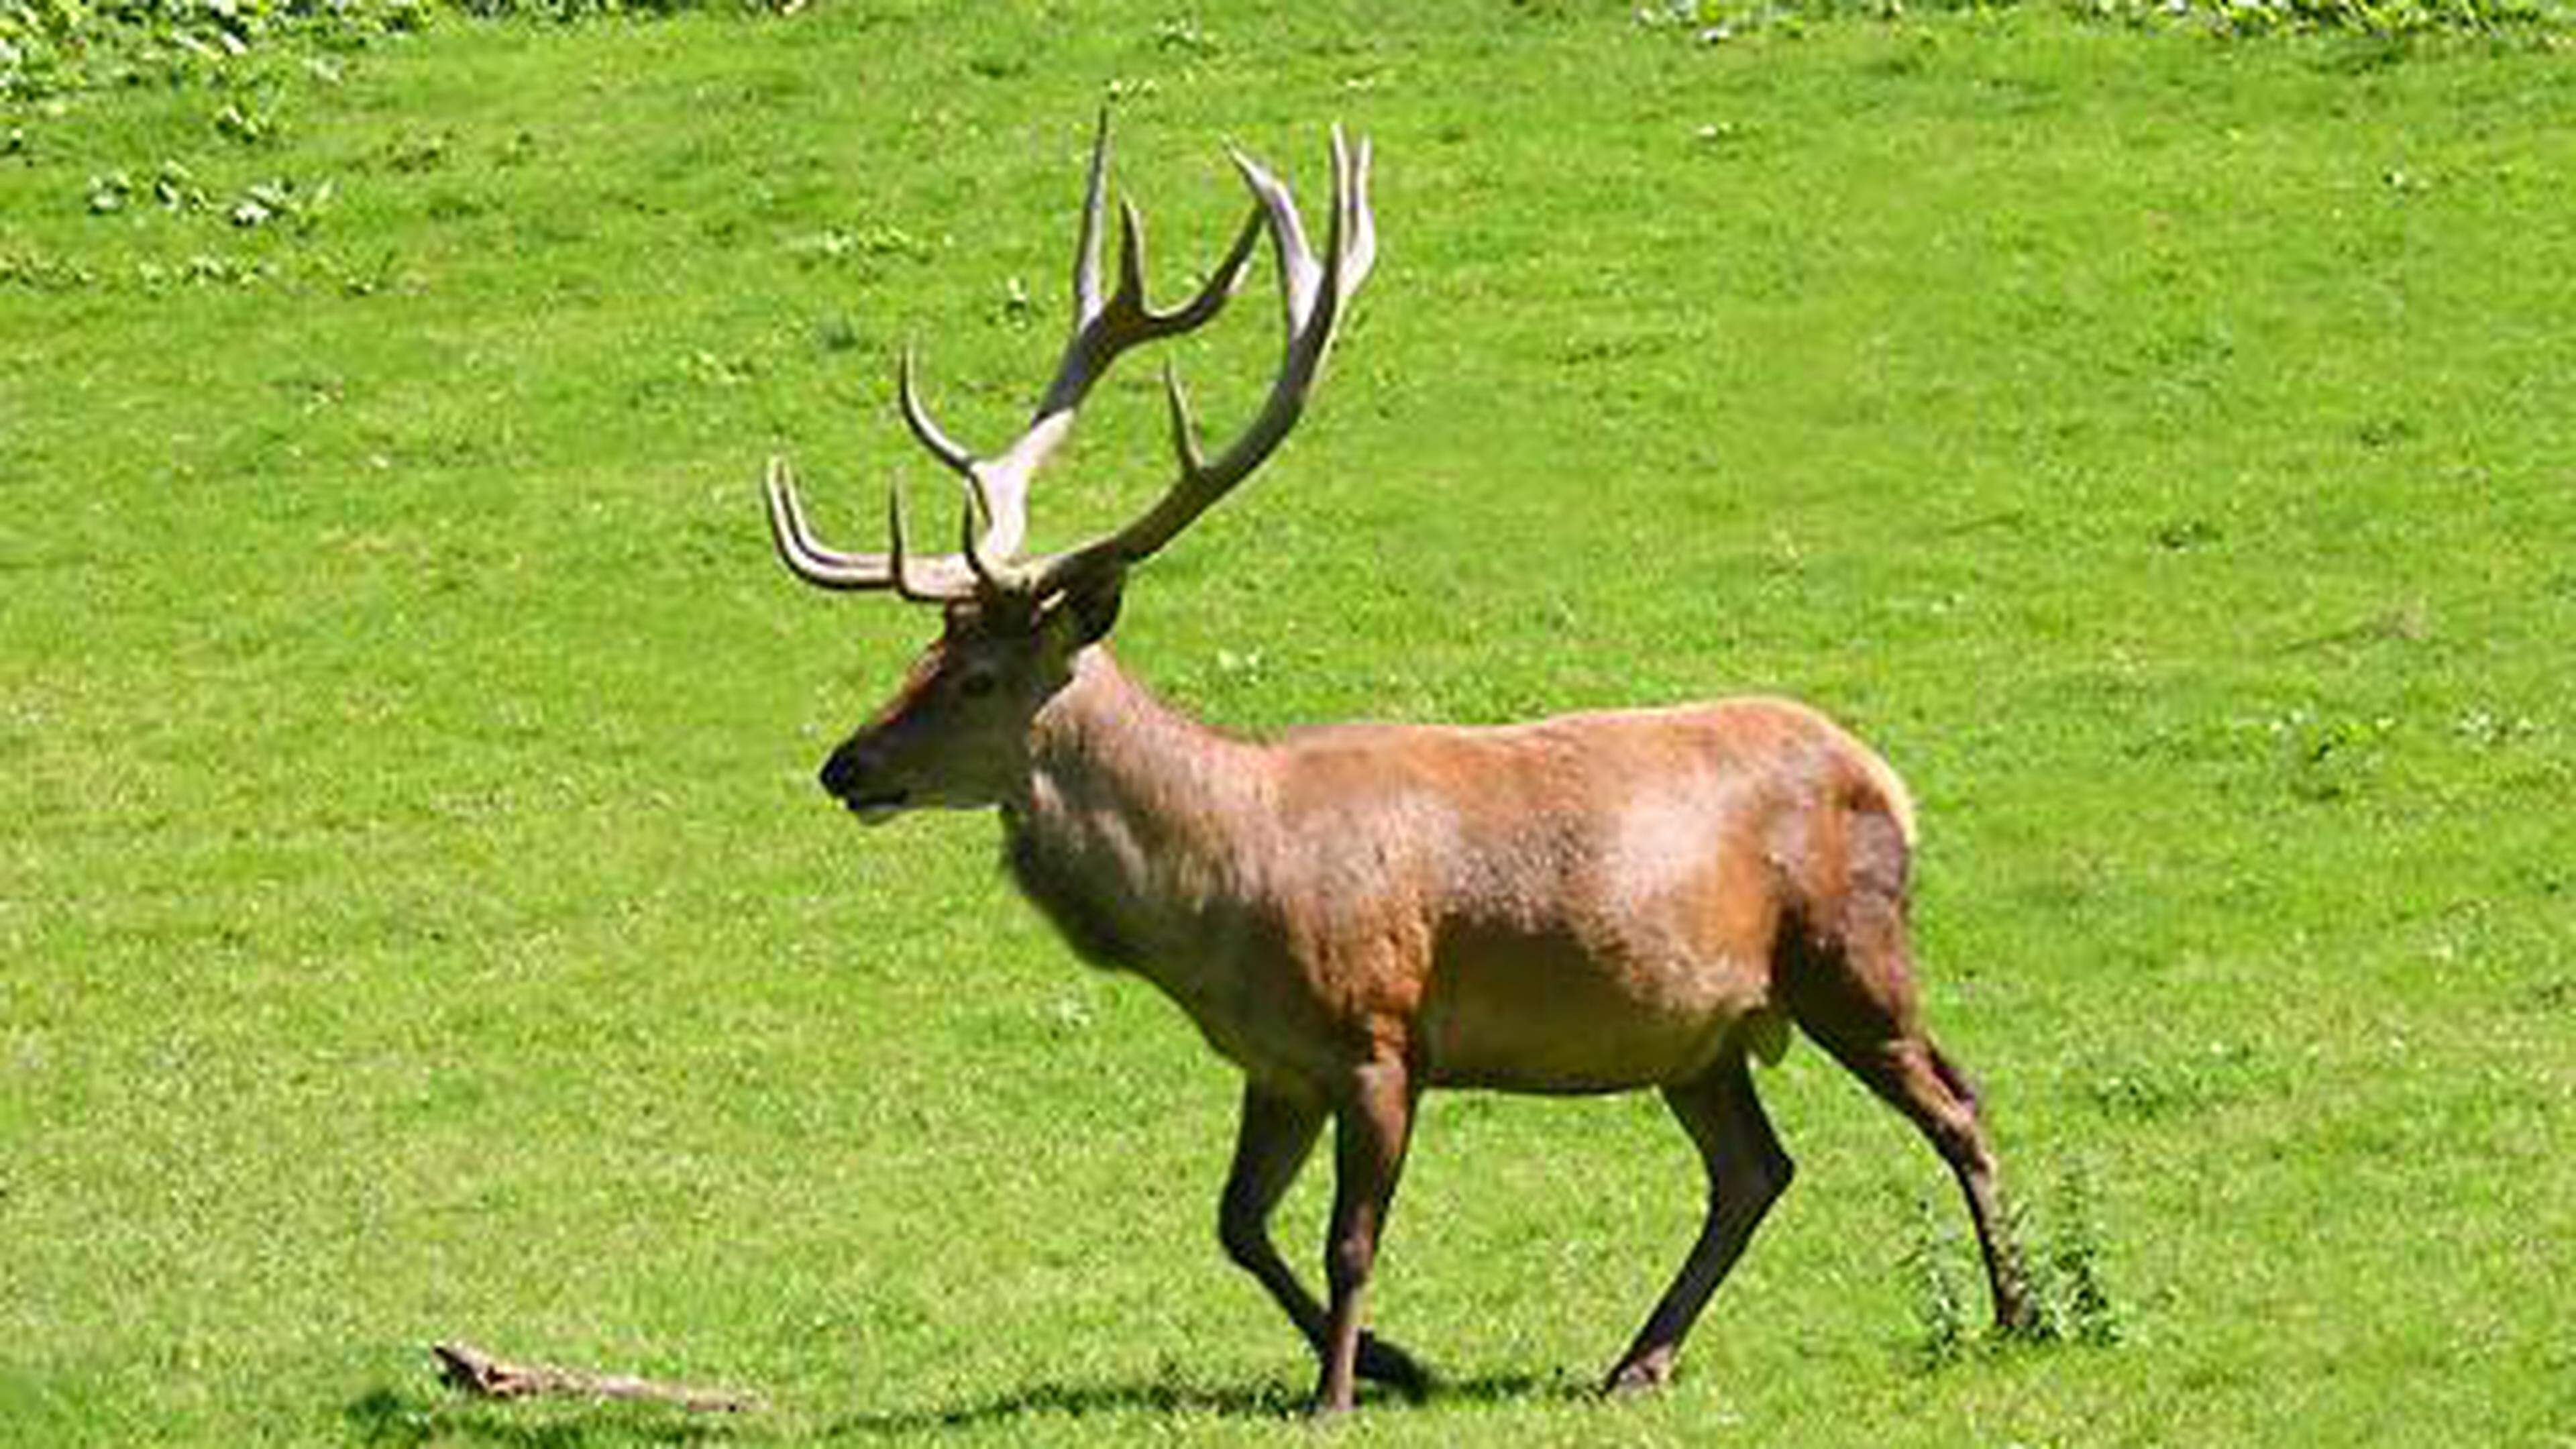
(1271, 1399)
(395, 1417)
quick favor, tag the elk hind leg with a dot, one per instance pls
(1855, 995)
(1272, 1143)
(1747, 1172)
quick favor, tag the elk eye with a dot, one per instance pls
(976, 685)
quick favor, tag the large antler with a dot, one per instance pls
(988, 565)
(1312, 295)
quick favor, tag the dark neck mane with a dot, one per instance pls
(1130, 804)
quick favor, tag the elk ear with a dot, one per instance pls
(1090, 602)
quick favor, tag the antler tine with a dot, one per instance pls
(988, 578)
(1105, 327)
(1185, 429)
(805, 557)
(1298, 269)
(936, 580)
(1313, 291)
(897, 554)
(930, 435)
(942, 578)
(1006, 524)
(1086, 251)
(1350, 173)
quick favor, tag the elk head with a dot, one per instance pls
(955, 734)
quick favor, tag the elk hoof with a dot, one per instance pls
(1321, 1410)
(1641, 1375)
(2019, 1319)
(1381, 1362)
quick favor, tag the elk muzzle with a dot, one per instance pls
(855, 775)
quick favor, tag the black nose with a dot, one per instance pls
(843, 773)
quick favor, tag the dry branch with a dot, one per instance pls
(473, 1371)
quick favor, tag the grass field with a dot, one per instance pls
(417, 920)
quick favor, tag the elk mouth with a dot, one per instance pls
(876, 809)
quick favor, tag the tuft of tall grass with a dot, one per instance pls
(2063, 1249)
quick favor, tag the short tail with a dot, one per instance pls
(1891, 788)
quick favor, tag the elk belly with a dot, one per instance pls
(1542, 1014)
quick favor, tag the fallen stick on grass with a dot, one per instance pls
(472, 1370)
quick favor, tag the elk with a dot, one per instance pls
(1354, 914)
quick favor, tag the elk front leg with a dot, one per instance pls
(1747, 1172)
(1370, 1130)
(1276, 1134)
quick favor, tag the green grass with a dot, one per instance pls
(416, 919)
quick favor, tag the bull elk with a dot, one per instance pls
(1354, 914)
